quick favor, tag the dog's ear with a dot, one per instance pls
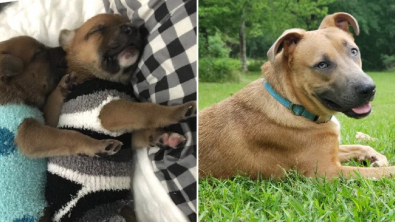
(341, 20)
(9, 66)
(65, 38)
(287, 40)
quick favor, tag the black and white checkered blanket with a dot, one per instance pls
(166, 75)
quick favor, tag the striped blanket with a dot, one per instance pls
(83, 188)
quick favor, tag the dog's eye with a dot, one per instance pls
(101, 28)
(322, 65)
(354, 51)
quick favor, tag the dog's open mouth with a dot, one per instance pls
(360, 111)
(118, 51)
(128, 52)
(120, 57)
(331, 105)
(356, 112)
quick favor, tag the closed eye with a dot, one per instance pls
(98, 29)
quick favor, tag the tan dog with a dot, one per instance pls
(252, 132)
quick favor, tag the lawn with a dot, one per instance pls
(296, 198)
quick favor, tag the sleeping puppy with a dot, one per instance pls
(29, 71)
(103, 53)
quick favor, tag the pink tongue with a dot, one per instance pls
(365, 108)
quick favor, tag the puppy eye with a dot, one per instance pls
(354, 51)
(322, 65)
(100, 28)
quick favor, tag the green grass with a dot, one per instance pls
(210, 93)
(297, 198)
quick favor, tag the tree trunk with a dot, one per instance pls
(242, 40)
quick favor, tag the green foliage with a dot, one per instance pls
(266, 19)
(216, 47)
(389, 61)
(213, 47)
(214, 64)
(219, 70)
(254, 65)
(203, 46)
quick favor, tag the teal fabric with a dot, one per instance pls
(298, 110)
(22, 179)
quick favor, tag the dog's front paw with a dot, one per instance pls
(66, 83)
(378, 160)
(170, 139)
(108, 147)
(375, 158)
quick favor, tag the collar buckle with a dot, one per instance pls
(292, 110)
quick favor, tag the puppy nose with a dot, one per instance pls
(128, 29)
(366, 90)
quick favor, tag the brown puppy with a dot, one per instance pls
(29, 72)
(103, 53)
(253, 132)
(107, 47)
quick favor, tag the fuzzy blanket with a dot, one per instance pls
(83, 188)
(18, 172)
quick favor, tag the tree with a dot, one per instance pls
(244, 20)
(231, 17)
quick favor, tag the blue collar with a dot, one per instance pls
(297, 110)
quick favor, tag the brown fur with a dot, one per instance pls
(18, 72)
(145, 119)
(253, 133)
(83, 57)
(27, 78)
(55, 99)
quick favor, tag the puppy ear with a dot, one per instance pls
(341, 20)
(65, 38)
(9, 66)
(288, 41)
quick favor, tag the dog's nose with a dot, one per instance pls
(128, 29)
(366, 90)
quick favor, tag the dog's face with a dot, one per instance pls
(106, 46)
(327, 68)
(29, 71)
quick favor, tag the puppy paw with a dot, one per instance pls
(109, 147)
(186, 110)
(170, 139)
(66, 83)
